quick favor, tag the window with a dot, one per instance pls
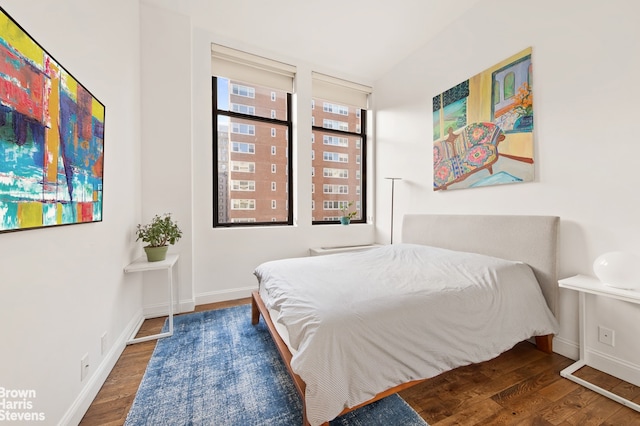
(339, 157)
(243, 129)
(245, 109)
(244, 147)
(330, 172)
(243, 166)
(243, 185)
(244, 91)
(335, 109)
(252, 118)
(335, 189)
(342, 112)
(335, 124)
(335, 140)
(243, 204)
(509, 85)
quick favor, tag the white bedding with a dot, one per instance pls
(361, 323)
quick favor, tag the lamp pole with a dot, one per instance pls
(393, 182)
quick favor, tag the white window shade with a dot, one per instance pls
(337, 90)
(242, 66)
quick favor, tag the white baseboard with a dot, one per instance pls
(566, 348)
(617, 367)
(162, 309)
(623, 370)
(224, 295)
(77, 410)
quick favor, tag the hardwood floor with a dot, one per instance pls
(522, 386)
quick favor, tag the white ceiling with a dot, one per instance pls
(361, 39)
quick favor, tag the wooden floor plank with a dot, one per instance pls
(521, 386)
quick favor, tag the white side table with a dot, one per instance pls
(141, 265)
(585, 284)
(320, 251)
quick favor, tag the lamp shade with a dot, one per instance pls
(618, 269)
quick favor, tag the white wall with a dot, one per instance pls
(165, 59)
(63, 287)
(586, 104)
(215, 264)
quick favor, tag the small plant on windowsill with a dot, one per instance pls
(159, 234)
(346, 217)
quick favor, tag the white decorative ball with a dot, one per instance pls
(618, 269)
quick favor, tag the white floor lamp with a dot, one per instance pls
(393, 182)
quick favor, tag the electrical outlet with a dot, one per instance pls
(606, 335)
(84, 366)
(103, 343)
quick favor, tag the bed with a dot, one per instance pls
(353, 328)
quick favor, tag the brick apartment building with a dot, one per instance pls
(253, 156)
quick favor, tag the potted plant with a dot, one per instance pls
(159, 234)
(345, 219)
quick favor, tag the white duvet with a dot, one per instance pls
(361, 323)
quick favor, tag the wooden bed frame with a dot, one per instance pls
(490, 235)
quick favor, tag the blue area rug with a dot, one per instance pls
(218, 369)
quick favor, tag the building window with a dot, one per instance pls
(243, 166)
(335, 109)
(339, 157)
(335, 205)
(341, 126)
(244, 91)
(243, 129)
(335, 189)
(243, 204)
(243, 185)
(335, 124)
(243, 147)
(330, 172)
(335, 141)
(251, 115)
(244, 109)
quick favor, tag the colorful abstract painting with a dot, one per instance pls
(483, 128)
(51, 138)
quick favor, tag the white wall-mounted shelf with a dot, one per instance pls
(588, 285)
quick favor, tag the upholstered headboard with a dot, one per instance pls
(530, 239)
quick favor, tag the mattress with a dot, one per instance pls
(360, 323)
